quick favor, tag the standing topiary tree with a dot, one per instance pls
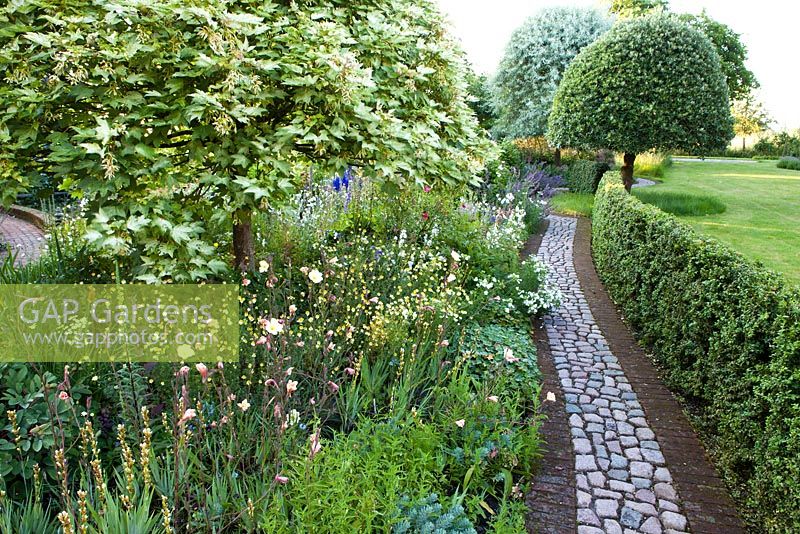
(535, 60)
(649, 83)
(169, 117)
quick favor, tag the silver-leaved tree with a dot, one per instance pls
(170, 117)
(534, 62)
(649, 83)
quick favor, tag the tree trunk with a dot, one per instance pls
(627, 170)
(557, 157)
(744, 140)
(243, 248)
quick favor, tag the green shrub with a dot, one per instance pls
(582, 176)
(727, 332)
(789, 162)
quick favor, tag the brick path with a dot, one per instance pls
(25, 239)
(634, 462)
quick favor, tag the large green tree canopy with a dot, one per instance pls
(535, 60)
(732, 53)
(166, 114)
(649, 83)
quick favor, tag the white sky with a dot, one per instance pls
(769, 29)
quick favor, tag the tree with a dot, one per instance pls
(535, 60)
(649, 83)
(625, 9)
(749, 118)
(170, 118)
(480, 100)
(732, 53)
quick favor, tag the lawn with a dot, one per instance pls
(572, 204)
(761, 209)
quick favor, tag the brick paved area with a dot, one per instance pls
(25, 239)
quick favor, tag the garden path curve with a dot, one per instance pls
(624, 480)
(25, 239)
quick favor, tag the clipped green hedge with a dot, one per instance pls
(582, 175)
(727, 333)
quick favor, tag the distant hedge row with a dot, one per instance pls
(727, 332)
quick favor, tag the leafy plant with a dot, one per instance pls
(428, 516)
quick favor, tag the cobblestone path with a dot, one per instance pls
(25, 239)
(623, 484)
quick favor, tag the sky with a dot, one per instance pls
(768, 28)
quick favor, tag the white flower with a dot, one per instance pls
(263, 266)
(451, 278)
(508, 354)
(455, 255)
(274, 326)
(244, 405)
(315, 276)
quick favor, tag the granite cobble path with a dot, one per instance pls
(25, 240)
(623, 484)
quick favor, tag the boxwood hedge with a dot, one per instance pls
(726, 332)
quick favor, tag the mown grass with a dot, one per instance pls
(572, 204)
(681, 203)
(762, 207)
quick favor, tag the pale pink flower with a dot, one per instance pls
(271, 382)
(245, 282)
(261, 341)
(444, 343)
(280, 479)
(292, 309)
(64, 396)
(220, 366)
(315, 445)
(291, 387)
(374, 300)
(183, 372)
(349, 371)
(289, 371)
(203, 370)
(460, 423)
(301, 344)
(333, 386)
(188, 415)
(492, 398)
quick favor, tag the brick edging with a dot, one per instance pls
(707, 504)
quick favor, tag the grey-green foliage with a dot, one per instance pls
(427, 516)
(649, 83)
(535, 60)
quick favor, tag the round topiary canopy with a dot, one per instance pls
(649, 83)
